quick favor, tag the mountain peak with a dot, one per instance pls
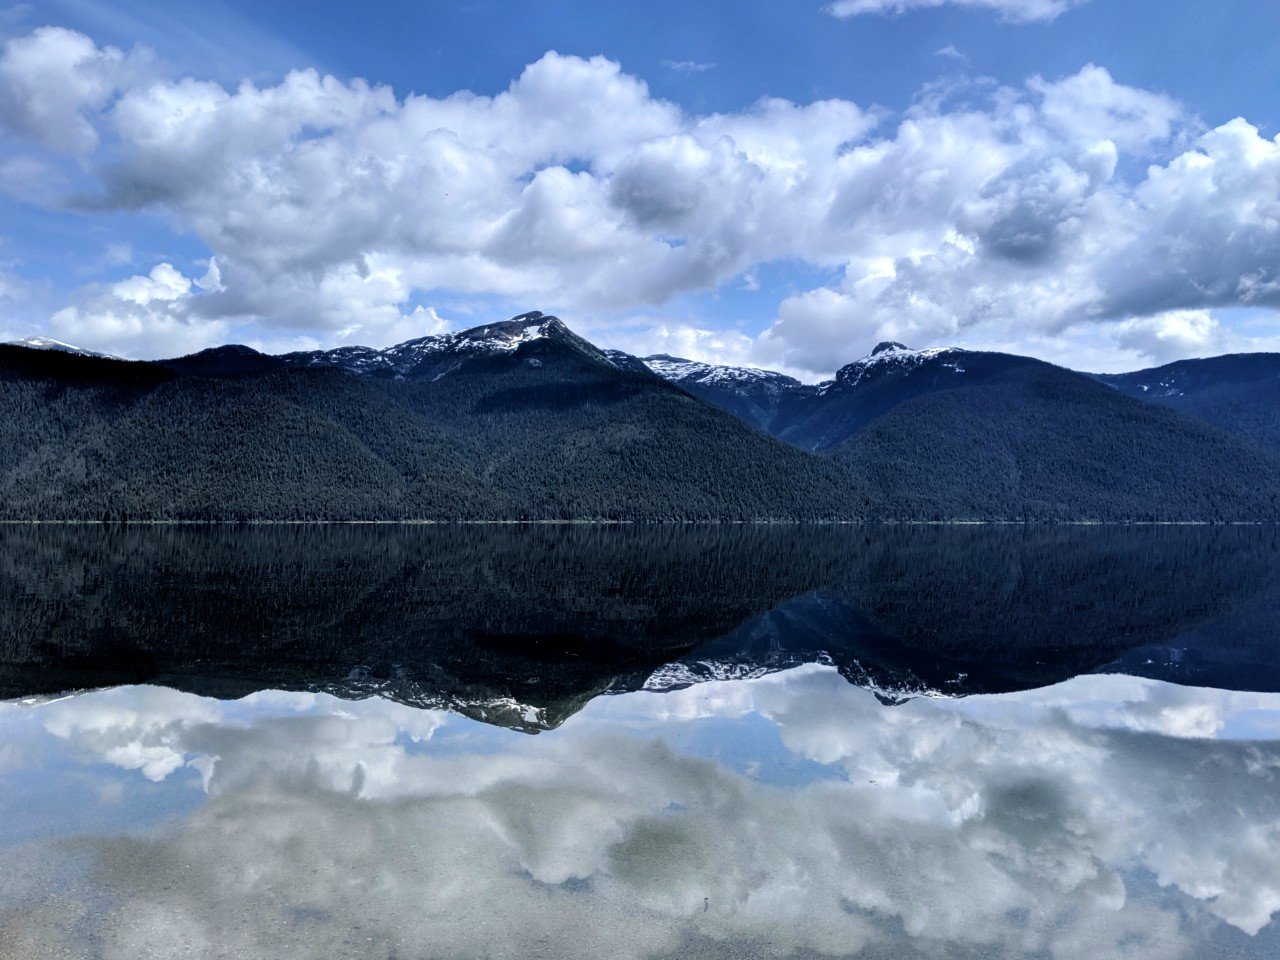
(229, 350)
(891, 359)
(509, 333)
(48, 343)
(685, 372)
(228, 360)
(439, 354)
(888, 346)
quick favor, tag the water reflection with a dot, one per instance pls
(523, 625)
(793, 815)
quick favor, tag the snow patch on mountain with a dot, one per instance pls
(506, 337)
(1168, 387)
(683, 674)
(495, 339)
(683, 372)
(678, 676)
(48, 343)
(890, 357)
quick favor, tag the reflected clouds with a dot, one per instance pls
(1106, 816)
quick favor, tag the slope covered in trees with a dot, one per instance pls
(545, 432)
(1237, 392)
(524, 420)
(1041, 443)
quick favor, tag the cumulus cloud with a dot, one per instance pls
(53, 80)
(1021, 215)
(685, 340)
(1024, 824)
(1168, 336)
(1091, 108)
(158, 308)
(1044, 236)
(1015, 11)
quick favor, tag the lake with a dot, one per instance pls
(675, 741)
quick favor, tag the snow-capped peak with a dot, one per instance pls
(48, 343)
(681, 371)
(889, 356)
(428, 354)
(505, 337)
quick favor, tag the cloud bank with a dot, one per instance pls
(1076, 218)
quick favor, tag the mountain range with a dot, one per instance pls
(526, 420)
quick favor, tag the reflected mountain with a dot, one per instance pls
(522, 625)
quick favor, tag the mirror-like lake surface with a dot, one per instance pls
(429, 742)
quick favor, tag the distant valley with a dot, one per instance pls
(525, 420)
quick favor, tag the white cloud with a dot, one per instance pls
(1169, 336)
(1015, 11)
(688, 66)
(52, 81)
(156, 313)
(984, 214)
(1091, 108)
(1044, 235)
(681, 340)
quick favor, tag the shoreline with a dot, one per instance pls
(643, 523)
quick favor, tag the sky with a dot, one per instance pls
(1093, 182)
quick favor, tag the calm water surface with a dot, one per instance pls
(634, 742)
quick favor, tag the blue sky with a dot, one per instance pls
(779, 184)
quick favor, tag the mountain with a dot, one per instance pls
(48, 343)
(890, 375)
(428, 358)
(1238, 392)
(818, 417)
(1197, 377)
(1037, 442)
(232, 360)
(762, 398)
(947, 433)
(526, 420)
(517, 420)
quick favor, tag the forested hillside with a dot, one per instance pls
(1238, 392)
(889, 376)
(524, 420)
(1040, 443)
(766, 400)
(543, 433)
